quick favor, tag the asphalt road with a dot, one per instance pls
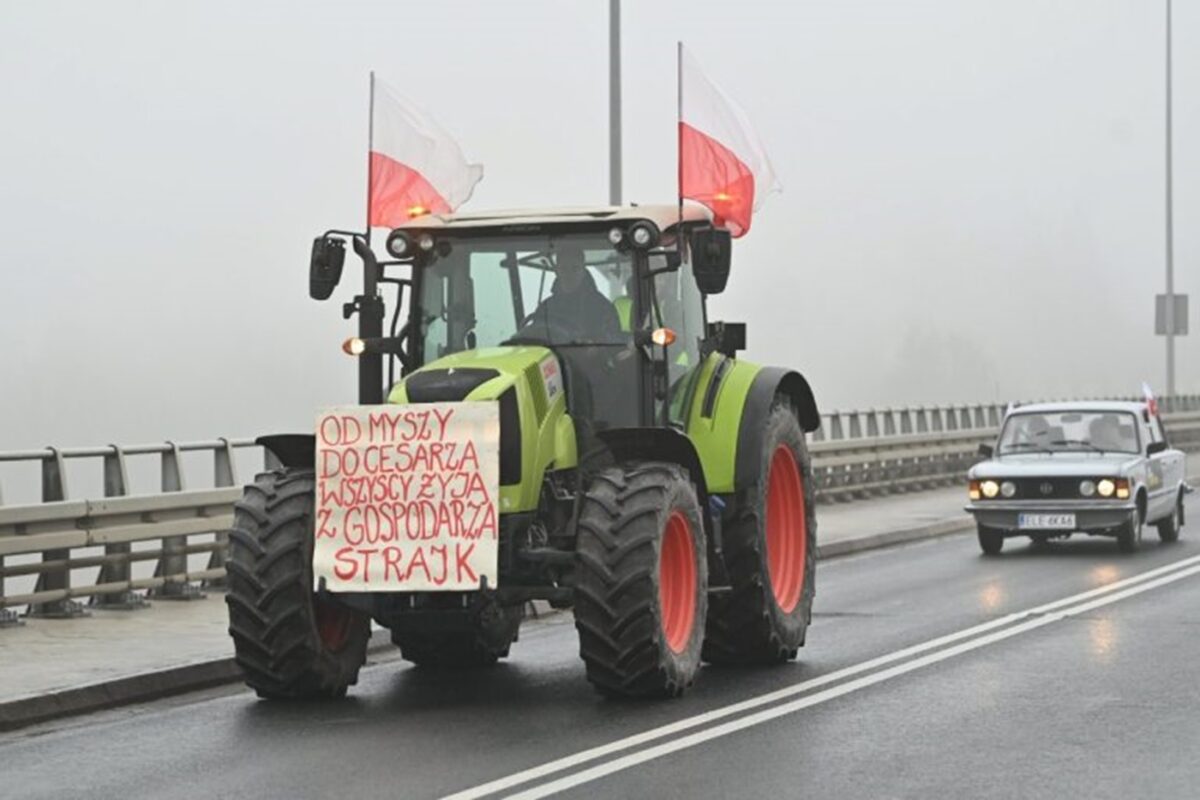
(923, 677)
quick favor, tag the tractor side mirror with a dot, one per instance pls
(728, 337)
(986, 450)
(1155, 447)
(711, 253)
(325, 267)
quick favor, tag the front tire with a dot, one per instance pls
(991, 541)
(486, 641)
(1129, 538)
(771, 556)
(1168, 529)
(289, 641)
(642, 585)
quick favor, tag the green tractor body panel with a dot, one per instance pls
(715, 417)
(536, 433)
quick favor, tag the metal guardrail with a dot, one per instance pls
(59, 525)
(855, 454)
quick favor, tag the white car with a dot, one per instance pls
(1100, 468)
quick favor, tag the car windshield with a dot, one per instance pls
(1093, 431)
(560, 290)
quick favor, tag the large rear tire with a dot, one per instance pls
(289, 641)
(482, 645)
(642, 588)
(771, 555)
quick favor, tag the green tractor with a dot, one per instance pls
(648, 478)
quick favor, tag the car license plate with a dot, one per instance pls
(1046, 521)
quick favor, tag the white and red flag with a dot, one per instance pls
(722, 162)
(416, 168)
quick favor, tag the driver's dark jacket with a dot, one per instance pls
(586, 313)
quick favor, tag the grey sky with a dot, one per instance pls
(973, 202)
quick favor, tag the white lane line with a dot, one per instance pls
(700, 737)
(591, 754)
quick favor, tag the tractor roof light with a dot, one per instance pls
(399, 245)
(616, 236)
(354, 346)
(425, 242)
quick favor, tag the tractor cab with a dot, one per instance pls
(612, 293)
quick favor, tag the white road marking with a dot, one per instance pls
(700, 737)
(591, 754)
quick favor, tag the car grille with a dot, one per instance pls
(1048, 489)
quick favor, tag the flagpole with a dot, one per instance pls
(370, 147)
(679, 134)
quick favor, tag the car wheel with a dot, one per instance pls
(1168, 529)
(991, 541)
(1129, 538)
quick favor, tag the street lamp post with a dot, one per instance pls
(1169, 311)
(614, 102)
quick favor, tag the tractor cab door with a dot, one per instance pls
(680, 308)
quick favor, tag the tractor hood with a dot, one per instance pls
(483, 374)
(536, 433)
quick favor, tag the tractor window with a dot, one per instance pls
(682, 310)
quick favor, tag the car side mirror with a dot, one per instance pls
(986, 450)
(325, 267)
(712, 250)
(1155, 447)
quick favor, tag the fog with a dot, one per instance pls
(973, 204)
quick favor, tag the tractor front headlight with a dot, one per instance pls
(1008, 488)
(1087, 488)
(1106, 487)
(989, 488)
(643, 235)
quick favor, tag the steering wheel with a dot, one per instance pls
(543, 332)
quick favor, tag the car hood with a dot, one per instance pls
(1055, 465)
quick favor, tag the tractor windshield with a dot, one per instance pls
(569, 290)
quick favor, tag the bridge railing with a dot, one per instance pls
(63, 538)
(71, 549)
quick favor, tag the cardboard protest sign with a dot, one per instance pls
(407, 497)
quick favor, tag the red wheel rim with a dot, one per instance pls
(677, 582)
(334, 622)
(787, 529)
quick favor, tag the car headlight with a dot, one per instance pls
(1008, 488)
(1106, 487)
(989, 488)
(1087, 488)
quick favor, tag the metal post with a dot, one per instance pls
(1170, 309)
(174, 557)
(614, 102)
(224, 474)
(54, 489)
(116, 484)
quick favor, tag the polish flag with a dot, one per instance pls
(722, 162)
(415, 167)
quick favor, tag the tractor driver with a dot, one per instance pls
(575, 305)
